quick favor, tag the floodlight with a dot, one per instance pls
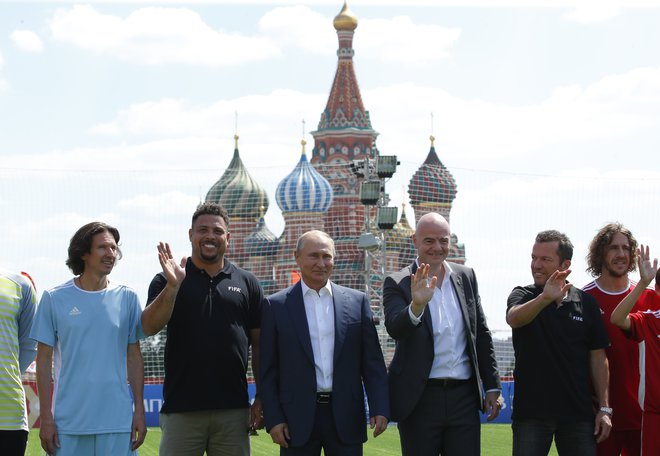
(368, 241)
(386, 217)
(386, 165)
(370, 192)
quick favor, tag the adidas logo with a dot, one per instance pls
(74, 311)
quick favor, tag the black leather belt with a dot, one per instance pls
(445, 382)
(323, 398)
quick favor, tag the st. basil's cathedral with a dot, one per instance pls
(324, 193)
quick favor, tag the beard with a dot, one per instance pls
(614, 273)
(211, 258)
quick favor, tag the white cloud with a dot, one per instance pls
(615, 107)
(165, 204)
(27, 40)
(398, 39)
(640, 86)
(3, 83)
(174, 117)
(301, 27)
(124, 157)
(153, 36)
(590, 11)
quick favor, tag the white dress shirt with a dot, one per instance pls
(320, 312)
(449, 337)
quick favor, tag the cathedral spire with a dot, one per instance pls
(345, 108)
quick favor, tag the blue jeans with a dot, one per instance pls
(533, 437)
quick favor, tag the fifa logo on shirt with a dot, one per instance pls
(236, 289)
(577, 318)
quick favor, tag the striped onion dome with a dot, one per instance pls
(432, 183)
(261, 242)
(237, 191)
(304, 190)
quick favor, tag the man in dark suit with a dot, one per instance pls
(444, 358)
(318, 348)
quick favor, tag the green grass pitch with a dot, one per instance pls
(495, 441)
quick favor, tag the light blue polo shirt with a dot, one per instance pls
(90, 332)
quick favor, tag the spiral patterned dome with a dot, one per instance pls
(432, 183)
(237, 191)
(304, 189)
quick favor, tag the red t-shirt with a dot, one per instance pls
(623, 358)
(645, 328)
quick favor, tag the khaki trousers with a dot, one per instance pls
(216, 432)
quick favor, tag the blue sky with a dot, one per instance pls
(125, 111)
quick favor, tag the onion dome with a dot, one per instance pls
(237, 191)
(261, 242)
(345, 20)
(304, 189)
(432, 183)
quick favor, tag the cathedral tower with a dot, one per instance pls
(344, 134)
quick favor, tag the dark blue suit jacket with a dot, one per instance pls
(414, 353)
(288, 376)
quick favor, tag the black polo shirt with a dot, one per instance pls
(552, 371)
(206, 352)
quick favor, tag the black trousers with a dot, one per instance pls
(13, 443)
(445, 422)
(324, 435)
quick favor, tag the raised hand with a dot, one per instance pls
(422, 288)
(556, 287)
(174, 273)
(647, 270)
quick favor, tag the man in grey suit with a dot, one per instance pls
(444, 369)
(319, 348)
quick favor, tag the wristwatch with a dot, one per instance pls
(606, 410)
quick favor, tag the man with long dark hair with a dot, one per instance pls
(612, 257)
(92, 327)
